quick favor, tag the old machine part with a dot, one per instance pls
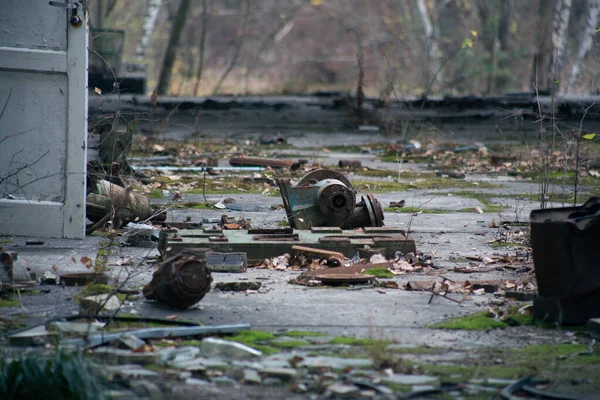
(268, 243)
(130, 206)
(182, 280)
(326, 198)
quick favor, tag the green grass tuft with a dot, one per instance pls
(379, 272)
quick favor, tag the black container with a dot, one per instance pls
(566, 254)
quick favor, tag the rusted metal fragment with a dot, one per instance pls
(180, 281)
(333, 258)
(105, 198)
(350, 163)
(262, 246)
(325, 198)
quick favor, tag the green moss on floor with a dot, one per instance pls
(507, 244)
(483, 198)
(481, 321)
(253, 339)
(379, 272)
(290, 344)
(433, 182)
(358, 342)
(8, 302)
(195, 205)
(155, 194)
(301, 334)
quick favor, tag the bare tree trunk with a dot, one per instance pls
(504, 42)
(562, 12)
(431, 45)
(238, 46)
(585, 42)
(169, 58)
(543, 52)
(488, 39)
(149, 22)
(202, 46)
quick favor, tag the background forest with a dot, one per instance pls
(396, 47)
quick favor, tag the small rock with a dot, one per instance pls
(148, 390)
(213, 347)
(478, 210)
(48, 278)
(339, 390)
(129, 371)
(404, 379)
(196, 382)
(251, 377)
(284, 374)
(92, 305)
(119, 356)
(271, 381)
(130, 342)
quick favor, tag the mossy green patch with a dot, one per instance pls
(196, 205)
(476, 322)
(255, 339)
(301, 333)
(290, 344)
(379, 272)
(483, 198)
(155, 194)
(282, 223)
(9, 303)
(507, 244)
(483, 321)
(358, 342)
(432, 182)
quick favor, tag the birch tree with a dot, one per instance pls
(562, 13)
(147, 28)
(169, 58)
(585, 41)
(431, 45)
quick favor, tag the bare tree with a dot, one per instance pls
(245, 9)
(562, 13)
(431, 45)
(204, 22)
(149, 23)
(167, 65)
(585, 41)
(540, 72)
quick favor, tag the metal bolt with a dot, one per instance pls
(76, 21)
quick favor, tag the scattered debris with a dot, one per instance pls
(241, 286)
(331, 258)
(48, 278)
(264, 162)
(326, 198)
(215, 347)
(350, 164)
(261, 244)
(180, 281)
(397, 204)
(226, 262)
(93, 305)
(83, 278)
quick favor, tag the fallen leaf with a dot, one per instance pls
(97, 90)
(88, 262)
(478, 210)
(174, 316)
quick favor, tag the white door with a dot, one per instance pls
(43, 118)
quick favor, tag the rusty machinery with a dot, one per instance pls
(326, 198)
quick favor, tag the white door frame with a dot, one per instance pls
(61, 215)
